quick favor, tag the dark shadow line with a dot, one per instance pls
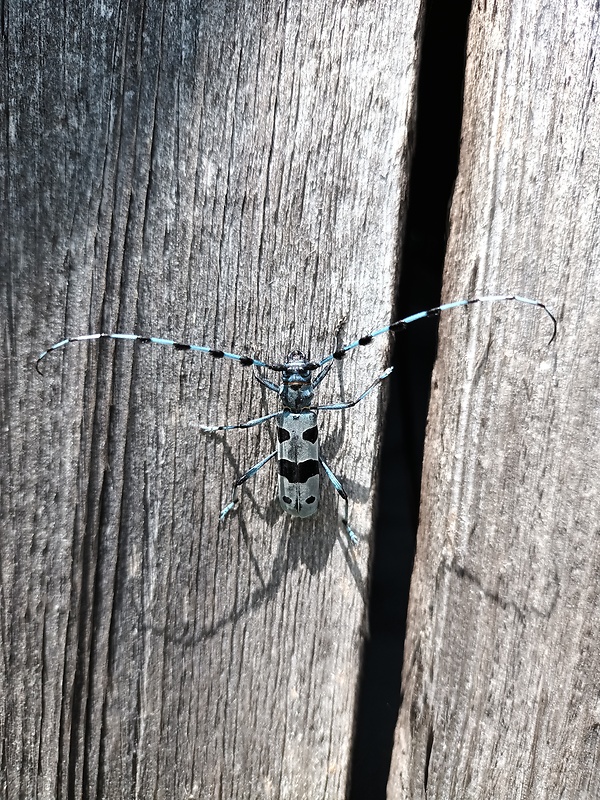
(432, 175)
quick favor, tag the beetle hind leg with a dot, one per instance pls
(241, 480)
(342, 493)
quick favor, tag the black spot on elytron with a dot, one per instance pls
(245, 361)
(298, 472)
(287, 500)
(310, 499)
(365, 340)
(181, 346)
(311, 434)
(282, 434)
(216, 353)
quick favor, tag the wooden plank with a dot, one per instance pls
(502, 665)
(222, 173)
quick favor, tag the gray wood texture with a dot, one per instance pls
(502, 661)
(224, 173)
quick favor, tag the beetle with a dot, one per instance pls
(297, 451)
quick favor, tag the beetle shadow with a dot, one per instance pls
(301, 543)
(333, 442)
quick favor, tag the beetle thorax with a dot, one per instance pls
(296, 390)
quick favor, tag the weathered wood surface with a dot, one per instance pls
(502, 659)
(223, 173)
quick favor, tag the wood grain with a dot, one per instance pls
(502, 665)
(232, 174)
